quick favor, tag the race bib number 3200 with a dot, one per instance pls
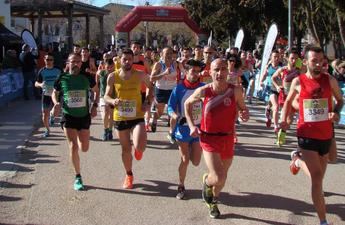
(127, 108)
(76, 99)
(315, 110)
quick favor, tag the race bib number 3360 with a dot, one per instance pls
(315, 110)
(76, 99)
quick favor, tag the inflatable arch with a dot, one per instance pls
(155, 14)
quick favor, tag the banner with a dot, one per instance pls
(239, 39)
(5, 85)
(270, 40)
(209, 41)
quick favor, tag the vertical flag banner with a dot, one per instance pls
(239, 39)
(29, 39)
(209, 41)
(270, 40)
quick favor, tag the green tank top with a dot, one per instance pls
(75, 89)
(103, 82)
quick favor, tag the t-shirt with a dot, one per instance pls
(48, 76)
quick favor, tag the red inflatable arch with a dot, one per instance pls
(156, 14)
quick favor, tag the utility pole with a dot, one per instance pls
(290, 28)
(146, 24)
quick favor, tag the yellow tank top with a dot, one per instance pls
(128, 91)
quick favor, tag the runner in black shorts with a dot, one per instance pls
(76, 119)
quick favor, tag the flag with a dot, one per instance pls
(209, 41)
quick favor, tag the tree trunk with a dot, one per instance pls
(311, 23)
(341, 24)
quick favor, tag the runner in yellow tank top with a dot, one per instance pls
(129, 110)
(128, 91)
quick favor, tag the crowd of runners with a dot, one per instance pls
(204, 92)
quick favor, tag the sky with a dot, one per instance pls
(101, 3)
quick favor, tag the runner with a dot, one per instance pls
(106, 109)
(208, 57)
(314, 129)
(266, 81)
(189, 147)
(282, 80)
(165, 74)
(220, 100)
(76, 117)
(45, 80)
(129, 110)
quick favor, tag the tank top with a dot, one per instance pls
(129, 93)
(169, 81)
(270, 71)
(84, 66)
(219, 111)
(288, 76)
(315, 102)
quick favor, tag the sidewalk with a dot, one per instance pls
(17, 122)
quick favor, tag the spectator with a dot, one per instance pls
(10, 60)
(27, 60)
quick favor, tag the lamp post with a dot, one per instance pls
(290, 26)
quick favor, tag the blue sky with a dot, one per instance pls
(101, 3)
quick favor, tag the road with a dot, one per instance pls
(37, 188)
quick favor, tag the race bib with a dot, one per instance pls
(196, 113)
(315, 110)
(127, 108)
(76, 99)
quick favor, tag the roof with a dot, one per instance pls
(54, 8)
(8, 37)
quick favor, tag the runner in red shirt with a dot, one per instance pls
(220, 103)
(316, 114)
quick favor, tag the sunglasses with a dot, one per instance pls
(49, 59)
(208, 52)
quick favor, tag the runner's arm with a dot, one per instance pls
(286, 110)
(264, 75)
(156, 72)
(335, 115)
(243, 110)
(108, 96)
(274, 78)
(197, 95)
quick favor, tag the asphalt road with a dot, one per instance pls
(259, 189)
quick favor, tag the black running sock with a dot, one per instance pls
(129, 173)
(78, 175)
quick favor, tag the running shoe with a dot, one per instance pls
(45, 134)
(51, 120)
(128, 183)
(294, 169)
(105, 136)
(207, 192)
(171, 138)
(153, 126)
(213, 209)
(181, 192)
(281, 137)
(110, 135)
(138, 154)
(78, 184)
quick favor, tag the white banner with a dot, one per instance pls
(270, 40)
(239, 39)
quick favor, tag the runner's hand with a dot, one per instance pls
(334, 117)
(56, 109)
(284, 125)
(244, 115)
(194, 132)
